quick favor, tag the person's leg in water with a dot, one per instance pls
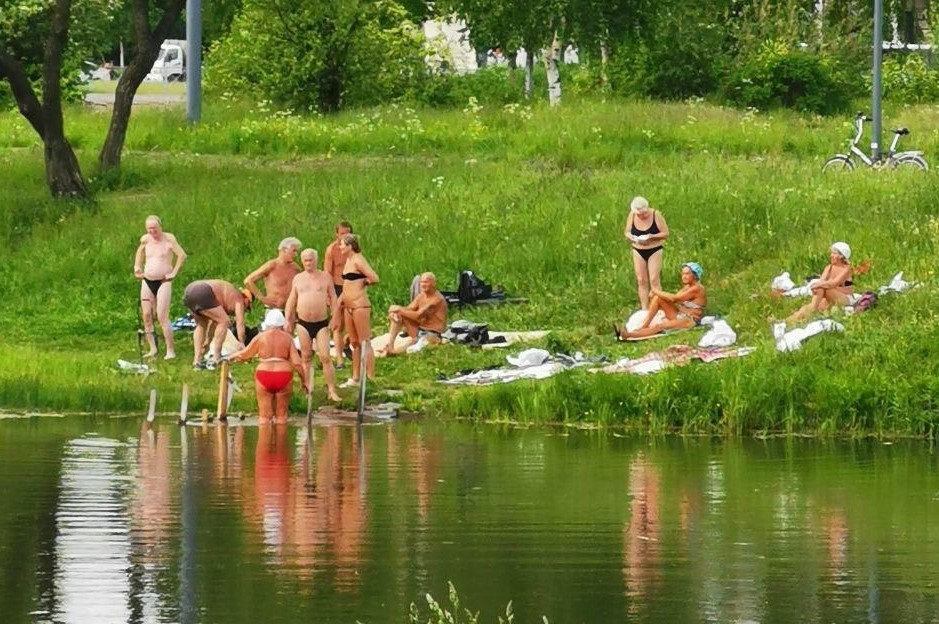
(329, 373)
(147, 303)
(163, 297)
(282, 403)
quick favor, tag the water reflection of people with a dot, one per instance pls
(304, 519)
(641, 535)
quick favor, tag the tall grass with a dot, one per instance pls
(530, 198)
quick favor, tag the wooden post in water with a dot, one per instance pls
(363, 377)
(222, 408)
(184, 405)
(151, 411)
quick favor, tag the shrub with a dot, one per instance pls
(779, 76)
(907, 78)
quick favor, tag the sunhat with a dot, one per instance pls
(695, 268)
(843, 250)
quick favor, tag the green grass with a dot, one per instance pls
(531, 198)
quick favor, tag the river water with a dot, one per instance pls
(105, 521)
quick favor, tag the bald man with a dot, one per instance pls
(424, 318)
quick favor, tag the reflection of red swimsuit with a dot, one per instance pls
(274, 381)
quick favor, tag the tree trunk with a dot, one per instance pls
(110, 156)
(551, 56)
(63, 175)
(147, 47)
(604, 63)
(529, 70)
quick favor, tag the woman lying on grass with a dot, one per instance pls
(682, 309)
(834, 287)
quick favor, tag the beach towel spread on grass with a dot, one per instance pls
(528, 364)
(675, 355)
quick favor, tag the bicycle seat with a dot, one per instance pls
(901, 131)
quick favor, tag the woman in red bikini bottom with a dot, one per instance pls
(273, 378)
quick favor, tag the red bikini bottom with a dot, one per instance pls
(273, 381)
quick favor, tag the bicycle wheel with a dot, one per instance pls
(911, 162)
(838, 162)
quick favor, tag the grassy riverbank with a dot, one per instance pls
(530, 198)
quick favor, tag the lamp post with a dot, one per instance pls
(877, 85)
(194, 69)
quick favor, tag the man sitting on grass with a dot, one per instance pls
(425, 318)
(682, 309)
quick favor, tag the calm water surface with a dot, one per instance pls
(102, 521)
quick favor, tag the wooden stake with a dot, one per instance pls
(151, 412)
(222, 408)
(363, 376)
(184, 405)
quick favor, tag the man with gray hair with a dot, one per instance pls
(277, 274)
(425, 318)
(311, 297)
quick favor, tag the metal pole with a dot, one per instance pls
(194, 61)
(877, 87)
(363, 377)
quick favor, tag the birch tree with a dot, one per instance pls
(535, 25)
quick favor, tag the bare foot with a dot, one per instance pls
(169, 356)
(150, 354)
(334, 397)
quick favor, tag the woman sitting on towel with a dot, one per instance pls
(682, 309)
(273, 378)
(834, 287)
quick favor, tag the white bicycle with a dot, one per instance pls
(892, 159)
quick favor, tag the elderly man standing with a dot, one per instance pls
(277, 274)
(311, 297)
(424, 318)
(213, 301)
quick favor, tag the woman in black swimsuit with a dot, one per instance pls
(357, 273)
(646, 230)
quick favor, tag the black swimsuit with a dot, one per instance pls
(353, 276)
(153, 285)
(313, 327)
(652, 229)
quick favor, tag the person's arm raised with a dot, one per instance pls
(180, 256)
(260, 273)
(371, 277)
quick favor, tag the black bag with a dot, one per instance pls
(471, 288)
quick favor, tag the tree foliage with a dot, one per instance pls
(312, 55)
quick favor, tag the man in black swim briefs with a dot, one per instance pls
(311, 297)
